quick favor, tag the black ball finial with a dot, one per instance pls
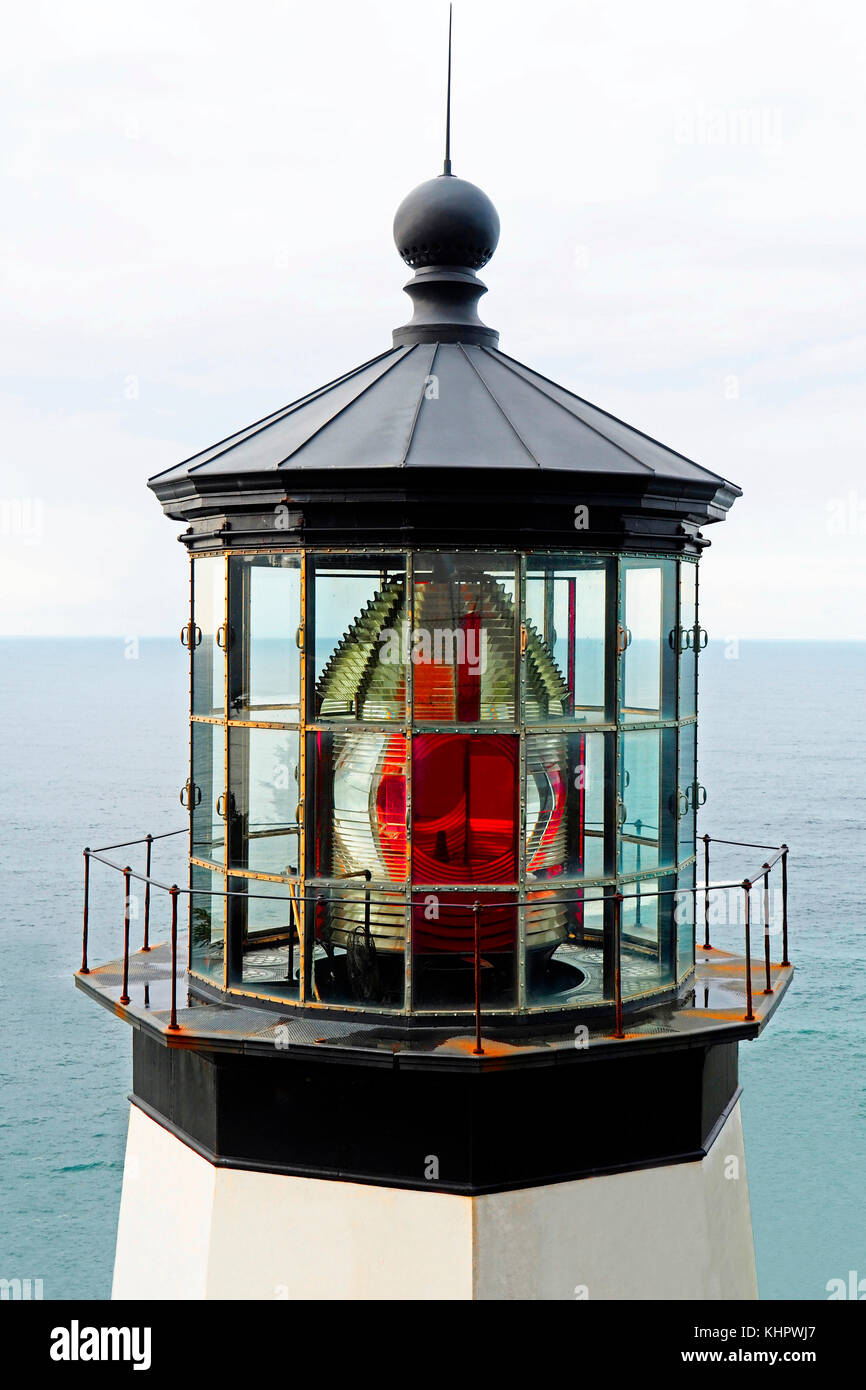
(446, 221)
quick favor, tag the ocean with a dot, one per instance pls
(95, 750)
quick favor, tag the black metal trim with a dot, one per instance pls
(452, 1189)
(491, 1131)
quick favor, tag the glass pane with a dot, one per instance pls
(464, 808)
(648, 936)
(208, 659)
(566, 604)
(357, 945)
(264, 922)
(565, 805)
(640, 917)
(361, 638)
(686, 796)
(264, 657)
(685, 920)
(443, 950)
(647, 800)
(264, 803)
(688, 620)
(648, 620)
(464, 642)
(360, 804)
(208, 776)
(206, 918)
(565, 946)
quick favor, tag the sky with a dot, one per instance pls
(197, 204)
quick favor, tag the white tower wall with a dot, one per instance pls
(191, 1230)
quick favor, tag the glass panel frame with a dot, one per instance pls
(686, 903)
(443, 950)
(207, 923)
(209, 628)
(208, 777)
(565, 945)
(357, 669)
(648, 952)
(686, 793)
(647, 803)
(687, 683)
(355, 948)
(265, 936)
(264, 801)
(465, 638)
(569, 669)
(358, 804)
(265, 627)
(567, 811)
(647, 639)
(465, 809)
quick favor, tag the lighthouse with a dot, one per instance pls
(438, 1015)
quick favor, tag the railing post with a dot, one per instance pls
(478, 1050)
(173, 1026)
(785, 960)
(768, 989)
(707, 946)
(747, 889)
(617, 961)
(149, 843)
(127, 873)
(84, 967)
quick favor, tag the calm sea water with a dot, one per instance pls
(94, 751)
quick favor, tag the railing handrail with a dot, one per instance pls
(536, 894)
(741, 844)
(125, 844)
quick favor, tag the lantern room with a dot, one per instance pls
(444, 644)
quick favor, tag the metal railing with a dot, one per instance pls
(780, 856)
(128, 874)
(617, 897)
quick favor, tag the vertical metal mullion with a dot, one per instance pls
(238, 629)
(190, 794)
(408, 978)
(520, 613)
(311, 771)
(697, 669)
(678, 659)
(616, 666)
(615, 618)
(227, 640)
(302, 789)
(694, 768)
(246, 633)
(671, 902)
(678, 621)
